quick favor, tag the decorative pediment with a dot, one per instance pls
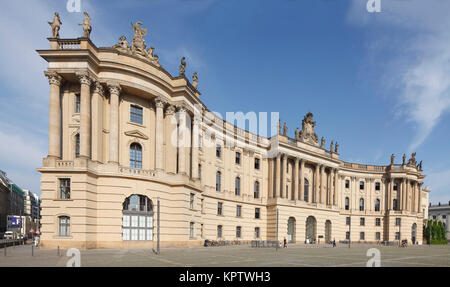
(136, 134)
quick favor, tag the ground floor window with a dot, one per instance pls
(361, 236)
(137, 219)
(347, 235)
(64, 226)
(256, 232)
(191, 230)
(377, 236)
(238, 231)
(397, 235)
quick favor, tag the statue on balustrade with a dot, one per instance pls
(392, 159)
(420, 166)
(87, 28)
(56, 25)
(195, 80)
(331, 146)
(336, 147)
(285, 130)
(412, 160)
(307, 134)
(322, 142)
(182, 67)
(404, 159)
(297, 132)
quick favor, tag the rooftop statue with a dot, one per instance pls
(404, 159)
(182, 67)
(336, 146)
(392, 159)
(412, 160)
(195, 80)
(331, 146)
(279, 126)
(285, 129)
(307, 134)
(420, 166)
(87, 28)
(138, 46)
(56, 25)
(297, 133)
(322, 142)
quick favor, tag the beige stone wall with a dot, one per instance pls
(99, 185)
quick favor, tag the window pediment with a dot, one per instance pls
(136, 134)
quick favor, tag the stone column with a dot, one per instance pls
(322, 185)
(283, 185)
(159, 105)
(195, 144)
(296, 195)
(335, 190)
(182, 136)
(114, 91)
(390, 193)
(97, 120)
(419, 200)
(171, 140)
(278, 176)
(85, 114)
(54, 119)
(302, 180)
(316, 184)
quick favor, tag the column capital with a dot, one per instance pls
(84, 77)
(98, 88)
(182, 109)
(160, 102)
(297, 160)
(53, 78)
(114, 88)
(170, 110)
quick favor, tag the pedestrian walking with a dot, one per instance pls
(284, 243)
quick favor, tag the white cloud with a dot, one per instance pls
(421, 68)
(439, 183)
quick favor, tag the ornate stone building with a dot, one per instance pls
(124, 133)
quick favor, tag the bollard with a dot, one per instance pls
(5, 248)
(32, 249)
(59, 254)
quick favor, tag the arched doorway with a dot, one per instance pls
(291, 230)
(137, 218)
(311, 227)
(413, 233)
(327, 231)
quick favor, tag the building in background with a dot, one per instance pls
(4, 201)
(32, 212)
(441, 212)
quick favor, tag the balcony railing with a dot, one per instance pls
(69, 44)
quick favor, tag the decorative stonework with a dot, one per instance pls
(195, 80)
(136, 134)
(99, 89)
(138, 46)
(160, 102)
(307, 134)
(114, 88)
(170, 110)
(182, 67)
(53, 78)
(84, 78)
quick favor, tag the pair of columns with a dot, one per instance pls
(410, 195)
(85, 79)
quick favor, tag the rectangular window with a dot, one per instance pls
(64, 226)
(361, 236)
(347, 235)
(395, 186)
(362, 221)
(203, 205)
(136, 114)
(219, 231)
(377, 186)
(64, 188)
(398, 221)
(191, 230)
(219, 208)
(238, 231)
(218, 151)
(77, 103)
(361, 185)
(377, 235)
(238, 158)
(257, 160)
(347, 220)
(397, 235)
(377, 222)
(200, 171)
(238, 210)
(347, 183)
(191, 201)
(257, 213)
(257, 232)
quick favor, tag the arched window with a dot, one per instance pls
(77, 145)
(347, 203)
(64, 226)
(256, 190)
(306, 195)
(135, 155)
(219, 231)
(218, 180)
(137, 218)
(377, 204)
(361, 204)
(237, 186)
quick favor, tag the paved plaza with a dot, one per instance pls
(239, 256)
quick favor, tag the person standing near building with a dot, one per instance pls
(284, 243)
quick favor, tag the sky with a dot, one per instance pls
(378, 83)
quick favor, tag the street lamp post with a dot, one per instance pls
(277, 232)
(349, 231)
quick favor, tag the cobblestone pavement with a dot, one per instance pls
(239, 256)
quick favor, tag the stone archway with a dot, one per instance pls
(414, 233)
(311, 229)
(291, 230)
(327, 231)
